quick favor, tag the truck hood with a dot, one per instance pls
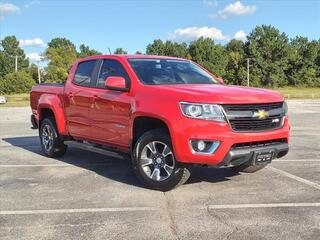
(214, 93)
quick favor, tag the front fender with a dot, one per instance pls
(54, 103)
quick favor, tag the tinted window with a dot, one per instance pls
(111, 68)
(167, 71)
(84, 73)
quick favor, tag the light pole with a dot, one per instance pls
(38, 67)
(16, 61)
(248, 72)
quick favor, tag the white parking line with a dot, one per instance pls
(299, 179)
(79, 210)
(297, 160)
(261, 205)
(141, 209)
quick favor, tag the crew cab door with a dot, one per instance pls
(78, 98)
(111, 109)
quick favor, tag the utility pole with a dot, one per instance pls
(39, 73)
(42, 58)
(15, 62)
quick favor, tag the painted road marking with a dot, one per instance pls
(79, 210)
(137, 209)
(299, 179)
(296, 160)
(261, 205)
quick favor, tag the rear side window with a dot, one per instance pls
(84, 72)
(111, 68)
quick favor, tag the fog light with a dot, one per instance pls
(201, 145)
(204, 146)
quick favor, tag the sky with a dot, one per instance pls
(132, 25)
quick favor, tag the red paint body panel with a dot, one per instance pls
(107, 116)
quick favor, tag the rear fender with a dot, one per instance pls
(54, 103)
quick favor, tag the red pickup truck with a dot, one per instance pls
(167, 113)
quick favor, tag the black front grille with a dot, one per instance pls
(241, 116)
(247, 145)
(255, 125)
(252, 107)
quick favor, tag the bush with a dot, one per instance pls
(19, 82)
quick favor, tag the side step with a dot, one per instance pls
(95, 148)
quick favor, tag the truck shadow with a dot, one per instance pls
(116, 169)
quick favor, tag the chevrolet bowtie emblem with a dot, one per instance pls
(261, 114)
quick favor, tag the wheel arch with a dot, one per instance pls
(51, 105)
(144, 123)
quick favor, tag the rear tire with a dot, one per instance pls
(154, 162)
(248, 169)
(51, 142)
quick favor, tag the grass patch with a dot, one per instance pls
(299, 93)
(17, 100)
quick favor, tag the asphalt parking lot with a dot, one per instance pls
(90, 196)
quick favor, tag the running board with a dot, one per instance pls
(96, 149)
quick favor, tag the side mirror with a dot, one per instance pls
(116, 83)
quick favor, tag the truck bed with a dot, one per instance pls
(44, 88)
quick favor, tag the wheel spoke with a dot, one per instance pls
(152, 147)
(156, 174)
(168, 169)
(166, 151)
(146, 162)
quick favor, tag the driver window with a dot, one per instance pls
(111, 68)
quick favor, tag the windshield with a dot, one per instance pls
(166, 71)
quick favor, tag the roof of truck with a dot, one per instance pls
(128, 56)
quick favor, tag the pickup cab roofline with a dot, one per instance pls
(128, 56)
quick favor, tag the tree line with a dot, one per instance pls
(274, 59)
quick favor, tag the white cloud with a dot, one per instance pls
(211, 3)
(234, 9)
(36, 42)
(240, 35)
(28, 5)
(192, 33)
(8, 8)
(34, 57)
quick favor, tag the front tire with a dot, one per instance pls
(51, 142)
(154, 162)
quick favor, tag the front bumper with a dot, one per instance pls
(185, 129)
(236, 157)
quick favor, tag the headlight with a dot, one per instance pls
(211, 112)
(285, 107)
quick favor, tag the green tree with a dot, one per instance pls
(303, 66)
(212, 56)
(33, 70)
(120, 51)
(138, 53)
(16, 82)
(85, 51)
(61, 43)
(9, 49)
(156, 48)
(175, 49)
(269, 49)
(61, 54)
(235, 69)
